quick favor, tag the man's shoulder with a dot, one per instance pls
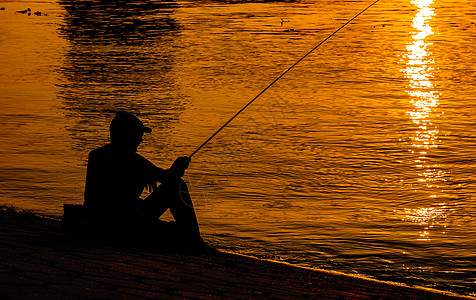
(109, 151)
(101, 150)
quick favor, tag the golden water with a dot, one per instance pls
(361, 159)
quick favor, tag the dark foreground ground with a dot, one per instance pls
(40, 261)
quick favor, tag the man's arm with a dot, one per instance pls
(157, 174)
(179, 166)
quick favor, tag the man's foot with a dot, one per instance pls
(204, 248)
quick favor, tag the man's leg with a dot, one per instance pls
(183, 211)
(174, 195)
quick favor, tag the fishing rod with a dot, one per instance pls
(279, 77)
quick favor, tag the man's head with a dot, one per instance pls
(127, 130)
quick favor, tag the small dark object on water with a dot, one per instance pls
(28, 10)
(38, 13)
(2, 8)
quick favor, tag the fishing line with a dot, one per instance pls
(279, 77)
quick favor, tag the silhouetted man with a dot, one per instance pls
(116, 177)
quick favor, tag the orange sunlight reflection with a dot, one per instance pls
(419, 72)
(424, 98)
(427, 218)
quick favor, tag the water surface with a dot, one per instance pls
(361, 159)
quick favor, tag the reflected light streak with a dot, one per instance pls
(424, 98)
(423, 95)
(428, 218)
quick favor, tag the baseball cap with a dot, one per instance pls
(124, 120)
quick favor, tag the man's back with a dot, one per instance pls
(114, 182)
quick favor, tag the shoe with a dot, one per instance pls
(204, 248)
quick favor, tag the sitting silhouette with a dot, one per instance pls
(116, 177)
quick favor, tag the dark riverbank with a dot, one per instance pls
(40, 261)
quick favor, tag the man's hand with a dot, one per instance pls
(151, 187)
(179, 166)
